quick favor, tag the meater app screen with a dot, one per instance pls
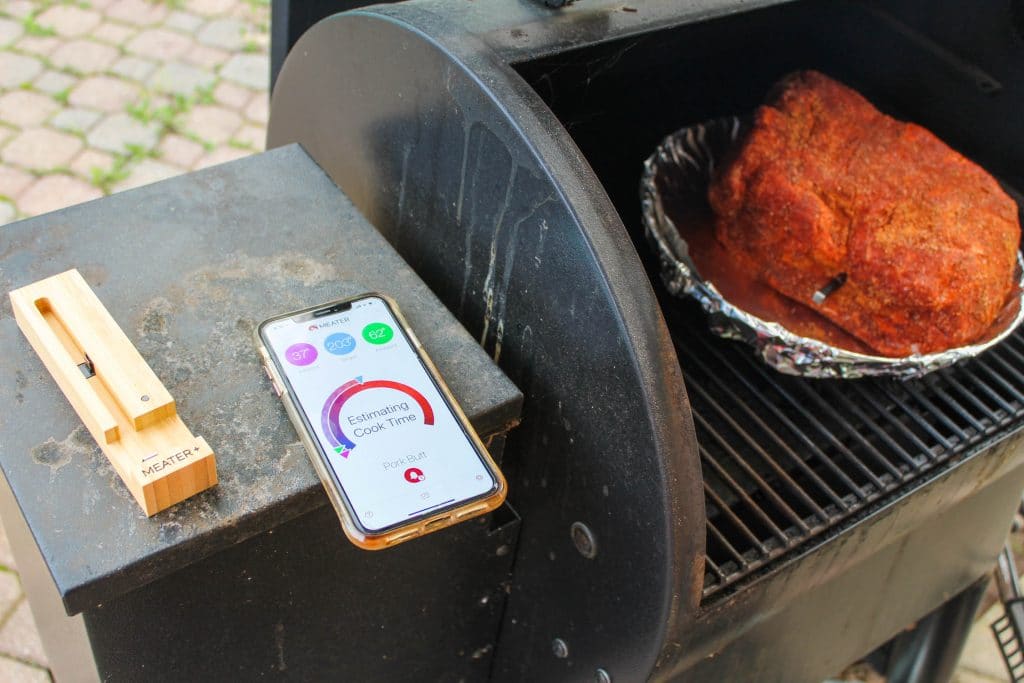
(391, 440)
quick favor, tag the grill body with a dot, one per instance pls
(744, 522)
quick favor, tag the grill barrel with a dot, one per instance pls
(744, 521)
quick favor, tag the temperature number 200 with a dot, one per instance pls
(341, 344)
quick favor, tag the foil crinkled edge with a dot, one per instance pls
(684, 162)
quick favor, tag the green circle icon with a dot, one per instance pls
(378, 333)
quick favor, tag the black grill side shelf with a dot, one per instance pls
(787, 459)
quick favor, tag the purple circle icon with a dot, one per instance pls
(300, 354)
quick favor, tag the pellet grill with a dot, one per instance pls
(686, 513)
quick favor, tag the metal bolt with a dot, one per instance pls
(502, 551)
(559, 648)
(602, 676)
(145, 397)
(583, 539)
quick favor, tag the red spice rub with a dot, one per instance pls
(825, 184)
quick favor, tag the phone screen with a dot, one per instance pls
(391, 441)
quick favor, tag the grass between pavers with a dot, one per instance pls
(165, 110)
(146, 110)
(34, 28)
(56, 170)
(120, 169)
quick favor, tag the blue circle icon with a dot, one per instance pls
(340, 343)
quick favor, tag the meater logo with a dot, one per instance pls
(330, 323)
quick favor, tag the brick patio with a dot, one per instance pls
(106, 95)
(101, 96)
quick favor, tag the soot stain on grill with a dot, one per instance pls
(94, 274)
(198, 339)
(57, 454)
(20, 384)
(154, 319)
(496, 298)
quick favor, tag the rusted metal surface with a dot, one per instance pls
(188, 267)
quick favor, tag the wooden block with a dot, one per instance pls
(122, 402)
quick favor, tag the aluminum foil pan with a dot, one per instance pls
(677, 174)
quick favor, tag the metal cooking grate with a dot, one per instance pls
(785, 459)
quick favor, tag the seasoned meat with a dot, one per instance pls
(825, 184)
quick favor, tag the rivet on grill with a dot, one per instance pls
(583, 539)
(833, 284)
(559, 648)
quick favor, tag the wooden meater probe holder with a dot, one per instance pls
(122, 403)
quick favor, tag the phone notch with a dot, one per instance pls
(332, 309)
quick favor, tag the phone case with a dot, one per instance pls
(414, 529)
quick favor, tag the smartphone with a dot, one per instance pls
(396, 455)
